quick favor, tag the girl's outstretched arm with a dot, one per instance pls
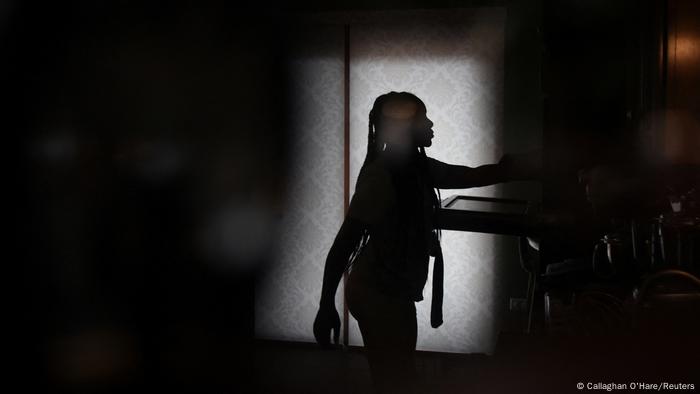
(509, 168)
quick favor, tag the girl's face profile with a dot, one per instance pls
(405, 123)
(423, 128)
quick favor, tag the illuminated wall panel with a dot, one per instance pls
(453, 60)
(454, 63)
(287, 297)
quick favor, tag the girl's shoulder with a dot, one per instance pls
(375, 173)
(374, 194)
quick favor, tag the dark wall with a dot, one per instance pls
(681, 139)
(598, 84)
(135, 127)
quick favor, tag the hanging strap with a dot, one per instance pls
(438, 264)
(438, 273)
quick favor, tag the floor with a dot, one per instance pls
(284, 367)
(521, 365)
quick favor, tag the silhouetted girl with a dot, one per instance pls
(388, 235)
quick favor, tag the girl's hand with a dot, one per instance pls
(327, 320)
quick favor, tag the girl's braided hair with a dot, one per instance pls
(373, 150)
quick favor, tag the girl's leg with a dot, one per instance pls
(389, 331)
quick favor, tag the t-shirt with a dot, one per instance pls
(396, 257)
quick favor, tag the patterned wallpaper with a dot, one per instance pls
(457, 70)
(287, 298)
(454, 62)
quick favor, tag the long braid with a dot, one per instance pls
(369, 158)
(371, 142)
(374, 117)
